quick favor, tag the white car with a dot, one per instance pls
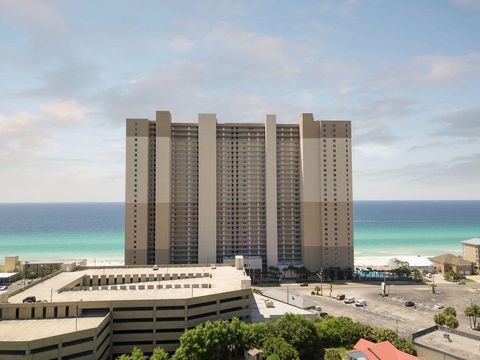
(438, 306)
(3, 288)
(349, 300)
(155, 267)
(361, 303)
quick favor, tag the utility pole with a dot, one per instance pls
(433, 282)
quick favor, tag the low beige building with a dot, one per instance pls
(100, 313)
(471, 251)
(11, 264)
(459, 265)
(39, 268)
(439, 343)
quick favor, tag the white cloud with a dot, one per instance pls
(68, 111)
(16, 123)
(181, 44)
(459, 122)
(27, 132)
(251, 52)
(32, 15)
(432, 69)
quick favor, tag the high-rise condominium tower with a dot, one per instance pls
(204, 192)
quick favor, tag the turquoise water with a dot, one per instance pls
(95, 230)
(62, 231)
(414, 227)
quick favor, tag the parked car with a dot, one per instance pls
(461, 282)
(429, 275)
(349, 300)
(323, 314)
(155, 267)
(304, 284)
(361, 303)
(30, 299)
(340, 297)
(318, 308)
(409, 303)
(438, 306)
(3, 288)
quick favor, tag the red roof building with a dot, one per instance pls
(367, 350)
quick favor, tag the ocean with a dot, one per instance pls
(95, 230)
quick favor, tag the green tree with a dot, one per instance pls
(255, 334)
(472, 312)
(302, 272)
(450, 311)
(340, 331)
(137, 354)
(159, 354)
(439, 318)
(417, 275)
(212, 340)
(379, 335)
(301, 333)
(405, 345)
(278, 349)
(451, 322)
(447, 318)
(32, 275)
(332, 354)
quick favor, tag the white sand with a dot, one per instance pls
(104, 262)
(380, 261)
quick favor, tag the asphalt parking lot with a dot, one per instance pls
(390, 312)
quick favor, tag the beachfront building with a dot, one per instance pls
(456, 263)
(471, 251)
(100, 313)
(38, 268)
(204, 192)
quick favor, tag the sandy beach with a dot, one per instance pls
(382, 261)
(360, 261)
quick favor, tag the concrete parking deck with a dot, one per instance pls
(175, 283)
(29, 330)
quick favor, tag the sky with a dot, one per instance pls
(405, 72)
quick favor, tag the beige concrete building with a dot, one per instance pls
(99, 313)
(471, 251)
(457, 264)
(204, 192)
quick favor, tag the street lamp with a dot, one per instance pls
(320, 275)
